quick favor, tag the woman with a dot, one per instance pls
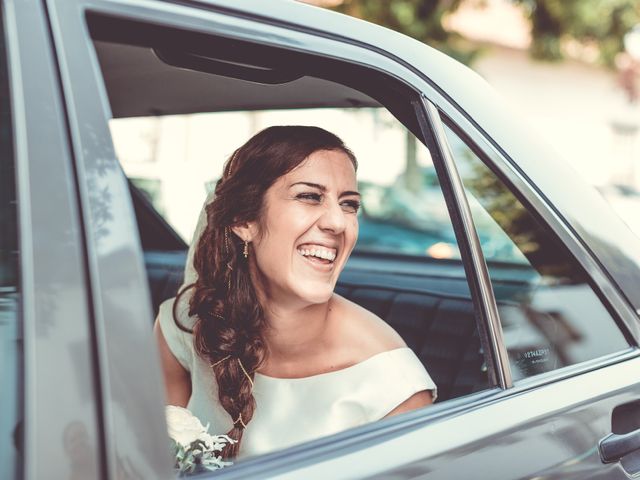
(275, 357)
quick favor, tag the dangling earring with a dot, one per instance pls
(245, 250)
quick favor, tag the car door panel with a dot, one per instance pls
(62, 435)
(131, 384)
(551, 431)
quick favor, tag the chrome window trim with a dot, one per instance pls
(508, 170)
(480, 275)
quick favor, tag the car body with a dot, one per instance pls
(88, 401)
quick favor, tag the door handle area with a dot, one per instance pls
(614, 446)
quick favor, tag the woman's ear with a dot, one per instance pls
(245, 231)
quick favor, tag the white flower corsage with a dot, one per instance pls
(194, 449)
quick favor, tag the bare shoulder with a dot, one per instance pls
(361, 332)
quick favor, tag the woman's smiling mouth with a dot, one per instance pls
(318, 254)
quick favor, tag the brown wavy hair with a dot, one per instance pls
(228, 331)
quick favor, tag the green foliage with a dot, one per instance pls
(599, 22)
(420, 19)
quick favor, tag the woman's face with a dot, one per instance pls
(308, 229)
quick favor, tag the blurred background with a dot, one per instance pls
(570, 68)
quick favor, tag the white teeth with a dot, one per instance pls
(317, 252)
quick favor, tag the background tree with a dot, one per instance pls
(600, 24)
(419, 19)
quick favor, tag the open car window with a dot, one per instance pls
(173, 134)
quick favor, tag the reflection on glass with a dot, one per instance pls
(550, 315)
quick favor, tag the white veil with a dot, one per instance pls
(190, 274)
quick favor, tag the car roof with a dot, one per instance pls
(139, 84)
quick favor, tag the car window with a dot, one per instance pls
(10, 328)
(551, 316)
(406, 267)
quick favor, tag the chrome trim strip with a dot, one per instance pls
(487, 299)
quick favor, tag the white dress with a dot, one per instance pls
(293, 410)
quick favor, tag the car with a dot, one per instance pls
(520, 293)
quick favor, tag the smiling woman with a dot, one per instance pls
(260, 345)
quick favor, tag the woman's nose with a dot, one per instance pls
(332, 219)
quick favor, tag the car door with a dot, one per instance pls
(50, 416)
(547, 424)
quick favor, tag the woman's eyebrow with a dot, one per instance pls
(323, 189)
(349, 193)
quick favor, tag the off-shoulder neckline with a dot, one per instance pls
(334, 373)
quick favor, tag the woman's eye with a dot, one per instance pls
(351, 206)
(309, 196)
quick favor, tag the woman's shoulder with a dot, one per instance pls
(362, 332)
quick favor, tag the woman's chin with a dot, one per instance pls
(315, 296)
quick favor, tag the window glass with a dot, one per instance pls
(550, 314)
(10, 331)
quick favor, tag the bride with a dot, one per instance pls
(258, 344)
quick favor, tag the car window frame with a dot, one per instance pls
(498, 370)
(52, 261)
(470, 249)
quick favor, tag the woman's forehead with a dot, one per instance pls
(333, 167)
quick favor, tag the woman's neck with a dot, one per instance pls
(293, 333)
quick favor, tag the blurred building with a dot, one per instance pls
(575, 105)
